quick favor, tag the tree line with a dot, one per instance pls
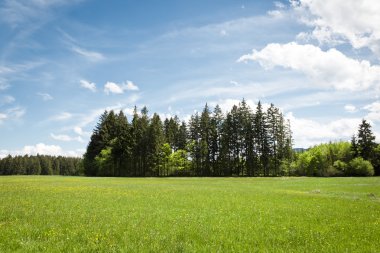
(360, 157)
(240, 142)
(41, 165)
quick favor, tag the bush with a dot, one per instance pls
(340, 168)
(360, 167)
(332, 172)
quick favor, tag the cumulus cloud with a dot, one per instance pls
(307, 132)
(42, 149)
(67, 138)
(88, 85)
(45, 96)
(356, 22)
(328, 69)
(350, 108)
(111, 87)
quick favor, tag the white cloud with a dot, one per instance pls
(350, 108)
(45, 96)
(111, 87)
(88, 85)
(63, 137)
(42, 149)
(234, 83)
(130, 86)
(3, 84)
(78, 130)
(16, 112)
(62, 116)
(5, 70)
(328, 69)
(373, 111)
(3, 117)
(90, 55)
(307, 132)
(6, 100)
(354, 21)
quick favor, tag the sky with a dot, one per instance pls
(63, 62)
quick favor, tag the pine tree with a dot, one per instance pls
(205, 140)
(194, 145)
(182, 136)
(216, 123)
(354, 147)
(262, 143)
(366, 141)
(156, 140)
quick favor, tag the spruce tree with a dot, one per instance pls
(366, 141)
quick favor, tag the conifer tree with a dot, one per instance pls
(366, 141)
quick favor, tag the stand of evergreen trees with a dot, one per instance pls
(241, 142)
(41, 165)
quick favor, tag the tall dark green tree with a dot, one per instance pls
(216, 140)
(366, 141)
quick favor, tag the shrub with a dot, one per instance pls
(332, 172)
(360, 167)
(340, 168)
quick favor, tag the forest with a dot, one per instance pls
(41, 165)
(240, 142)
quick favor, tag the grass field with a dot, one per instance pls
(79, 214)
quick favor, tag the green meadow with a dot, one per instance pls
(81, 214)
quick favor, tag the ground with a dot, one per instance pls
(80, 214)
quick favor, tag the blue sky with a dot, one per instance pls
(62, 63)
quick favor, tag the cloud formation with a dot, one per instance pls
(356, 22)
(328, 69)
(89, 55)
(373, 111)
(13, 113)
(42, 149)
(308, 132)
(111, 87)
(88, 85)
(62, 116)
(2, 117)
(66, 138)
(350, 108)
(7, 99)
(45, 96)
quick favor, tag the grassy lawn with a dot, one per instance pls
(79, 214)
